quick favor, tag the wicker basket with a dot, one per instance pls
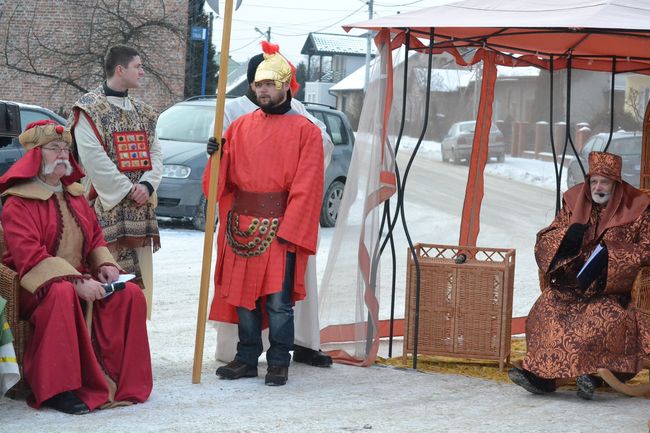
(465, 308)
(21, 329)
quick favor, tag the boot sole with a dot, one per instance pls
(518, 378)
(233, 376)
(585, 388)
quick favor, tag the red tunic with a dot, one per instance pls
(60, 355)
(268, 153)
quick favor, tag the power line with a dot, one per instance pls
(247, 45)
(287, 8)
(397, 6)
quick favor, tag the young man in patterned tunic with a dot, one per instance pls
(114, 136)
(581, 324)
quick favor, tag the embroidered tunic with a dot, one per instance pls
(125, 225)
(267, 153)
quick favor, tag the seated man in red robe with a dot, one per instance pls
(589, 257)
(270, 190)
(56, 246)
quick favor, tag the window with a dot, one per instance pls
(626, 146)
(336, 129)
(192, 123)
(28, 116)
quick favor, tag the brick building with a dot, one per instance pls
(62, 44)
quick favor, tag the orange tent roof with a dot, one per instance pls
(593, 32)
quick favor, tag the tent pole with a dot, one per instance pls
(558, 176)
(611, 105)
(400, 196)
(412, 249)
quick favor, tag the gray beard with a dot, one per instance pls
(600, 200)
(49, 168)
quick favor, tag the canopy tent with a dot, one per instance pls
(551, 35)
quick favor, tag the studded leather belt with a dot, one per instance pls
(261, 204)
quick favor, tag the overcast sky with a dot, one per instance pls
(292, 20)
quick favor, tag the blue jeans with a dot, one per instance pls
(280, 312)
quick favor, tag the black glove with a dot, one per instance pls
(213, 146)
(570, 245)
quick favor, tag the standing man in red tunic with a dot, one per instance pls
(269, 193)
(55, 244)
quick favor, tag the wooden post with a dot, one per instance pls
(212, 197)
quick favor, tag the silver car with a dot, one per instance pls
(625, 144)
(457, 144)
(183, 132)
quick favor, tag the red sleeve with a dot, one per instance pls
(300, 223)
(22, 240)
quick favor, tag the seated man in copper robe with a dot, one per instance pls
(56, 246)
(581, 321)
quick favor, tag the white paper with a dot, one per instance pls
(123, 278)
(594, 253)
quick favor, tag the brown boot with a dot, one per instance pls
(276, 375)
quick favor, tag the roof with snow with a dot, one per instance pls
(329, 44)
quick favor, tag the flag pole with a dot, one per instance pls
(212, 197)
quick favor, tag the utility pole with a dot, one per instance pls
(368, 46)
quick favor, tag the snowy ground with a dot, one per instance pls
(337, 399)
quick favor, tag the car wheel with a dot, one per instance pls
(501, 158)
(457, 160)
(198, 221)
(331, 202)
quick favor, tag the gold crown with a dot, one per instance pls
(39, 135)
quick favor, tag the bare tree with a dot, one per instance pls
(635, 103)
(71, 55)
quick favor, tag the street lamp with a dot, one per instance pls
(266, 34)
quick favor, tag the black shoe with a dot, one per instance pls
(276, 375)
(315, 358)
(587, 385)
(236, 370)
(67, 402)
(531, 382)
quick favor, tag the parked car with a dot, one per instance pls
(183, 131)
(625, 144)
(457, 144)
(10, 148)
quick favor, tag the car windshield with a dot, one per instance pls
(626, 146)
(186, 123)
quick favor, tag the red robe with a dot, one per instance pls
(60, 355)
(267, 153)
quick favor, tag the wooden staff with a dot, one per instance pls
(212, 197)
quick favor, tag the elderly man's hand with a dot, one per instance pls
(139, 194)
(213, 146)
(108, 274)
(89, 290)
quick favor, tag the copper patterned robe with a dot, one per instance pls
(570, 332)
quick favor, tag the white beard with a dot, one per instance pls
(600, 200)
(49, 168)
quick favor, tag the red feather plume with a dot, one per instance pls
(270, 48)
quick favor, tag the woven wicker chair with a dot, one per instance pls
(21, 329)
